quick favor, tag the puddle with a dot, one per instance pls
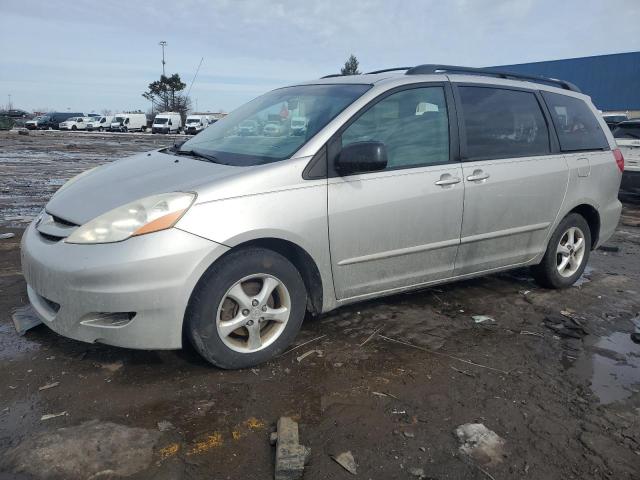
(613, 368)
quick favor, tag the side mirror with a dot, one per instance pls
(362, 157)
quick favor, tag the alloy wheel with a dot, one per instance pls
(570, 252)
(253, 313)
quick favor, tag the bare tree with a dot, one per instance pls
(350, 66)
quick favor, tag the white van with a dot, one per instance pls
(129, 122)
(196, 123)
(100, 123)
(167, 122)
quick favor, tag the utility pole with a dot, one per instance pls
(163, 44)
(10, 107)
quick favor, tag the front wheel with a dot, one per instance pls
(567, 254)
(247, 308)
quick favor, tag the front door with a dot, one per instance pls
(401, 226)
(514, 185)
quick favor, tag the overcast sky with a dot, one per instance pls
(94, 55)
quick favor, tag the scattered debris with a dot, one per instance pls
(23, 132)
(399, 412)
(409, 434)
(371, 336)
(5, 236)
(565, 325)
(302, 345)
(310, 352)
(464, 372)
(49, 385)
(482, 318)
(417, 472)
(609, 248)
(478, 442)
(291, 457)
(49, 416)
(440, 354)
(111, 367)
(384, 394)
(535, 334)
(165, 425)
(25, 318)
(346, 461)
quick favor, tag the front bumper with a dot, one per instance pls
(129, 294)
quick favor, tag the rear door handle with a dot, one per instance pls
(478, 176)
(445, 181)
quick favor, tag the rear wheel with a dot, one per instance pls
(74, 127)
(567, 254)
(246, 309)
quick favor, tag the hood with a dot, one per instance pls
(124, 181)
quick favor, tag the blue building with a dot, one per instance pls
(612, 81)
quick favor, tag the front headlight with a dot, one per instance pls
(147, 215)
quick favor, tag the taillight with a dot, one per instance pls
(617, 154)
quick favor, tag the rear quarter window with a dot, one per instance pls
(577, 127)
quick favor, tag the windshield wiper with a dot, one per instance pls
(197, 154)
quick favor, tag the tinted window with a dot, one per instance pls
(502, 123)
(577, 126)
(629, 131)
(413, 124)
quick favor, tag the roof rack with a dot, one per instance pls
(434, 68)
(385, 70)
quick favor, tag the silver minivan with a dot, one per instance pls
(402, 179)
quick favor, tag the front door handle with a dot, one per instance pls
(478, 176)
(446, 180)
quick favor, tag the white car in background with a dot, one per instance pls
(627, 135)
(75, 123)
(100, 123)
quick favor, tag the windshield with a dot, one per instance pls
(239, 139)
(160, 121)
(118, 119)
(193, 120)
(627, 131)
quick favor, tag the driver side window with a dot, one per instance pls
(413, 124)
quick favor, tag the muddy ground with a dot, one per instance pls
(567, 408)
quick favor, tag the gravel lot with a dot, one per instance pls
(390, 380)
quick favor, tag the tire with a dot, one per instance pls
(212, 311)
(561, 250)
(74, 128)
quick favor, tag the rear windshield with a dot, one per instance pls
(630, 131)
(578, 128)
(239, 139)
